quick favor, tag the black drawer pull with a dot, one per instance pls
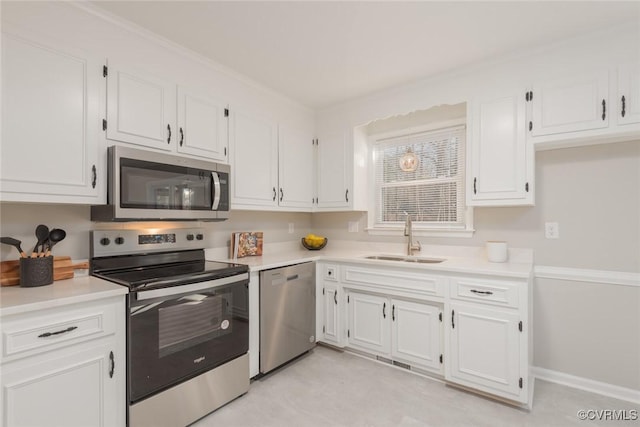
(294, 277)
(624, 105)
(169, 137)
(64, 331)
(604, 109)
(384, 310)
(453, 319)
(112, 364)
(481, 292)
(335, 297)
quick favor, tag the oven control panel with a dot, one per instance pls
(123, 242)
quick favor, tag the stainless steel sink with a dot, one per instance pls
(405, 259)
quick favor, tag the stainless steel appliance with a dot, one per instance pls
(145, 185)
(287, 314)
(187, 323)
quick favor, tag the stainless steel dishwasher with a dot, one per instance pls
(287, 314)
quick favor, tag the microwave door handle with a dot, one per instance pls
(216, 191)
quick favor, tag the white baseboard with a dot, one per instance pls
(605, 389)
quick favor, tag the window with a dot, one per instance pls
(421, 175)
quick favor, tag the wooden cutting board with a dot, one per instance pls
(63, 268)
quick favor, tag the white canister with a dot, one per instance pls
(497, 251)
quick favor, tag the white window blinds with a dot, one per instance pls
(433, 193)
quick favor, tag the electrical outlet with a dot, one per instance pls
(291, 228)
(551, 230)
(353, 226)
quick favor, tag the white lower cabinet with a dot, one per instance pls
(487, 333)
(416, 336)
(404, 331)
(64, 366)
(332, 319)
(480, 341)
(484, 349)
(368, 326)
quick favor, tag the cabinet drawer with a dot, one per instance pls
(45, 330)
(490, 292)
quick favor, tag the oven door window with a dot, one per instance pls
(175, 338)
(149, 185)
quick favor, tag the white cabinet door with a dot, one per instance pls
(577, 102)
(73, 388)
(51, 130)
(332, 329)
(369, 323)
(333, 174)
(295, 168)
(484, 350)
(500, 158)
(141, 108)
(628, 98)
(254, 160)
(415, 334)
(202, 125)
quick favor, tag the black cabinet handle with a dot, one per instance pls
(63, 331)
(169, 137)
(112, 364)
(384, 310)
(530, 126)
(604, 109)
(335, 297)
(94, 176)
(481, 292)
(346, 195)
(475, 181)
(453, 321)
(181, 136)
(274, 194)
(281, 194)
(393, 312)
(624, 106)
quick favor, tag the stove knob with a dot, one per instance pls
(119, 240)
(105, 241)
(189, 237)
(199, 237)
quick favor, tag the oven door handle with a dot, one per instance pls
(194, 287)
(216, 191)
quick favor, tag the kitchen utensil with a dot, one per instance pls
(42, 233)
(55, 235)
(63, 268)
(15, 243)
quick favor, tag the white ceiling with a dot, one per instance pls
(325, 52)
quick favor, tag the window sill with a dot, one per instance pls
(399, 231)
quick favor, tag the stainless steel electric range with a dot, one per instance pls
(187, 323)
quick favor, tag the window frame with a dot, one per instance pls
(419, 228)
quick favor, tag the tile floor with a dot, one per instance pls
(332, 388)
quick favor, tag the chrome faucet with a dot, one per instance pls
(408, 231)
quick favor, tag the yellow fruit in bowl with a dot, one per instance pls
(314, 241)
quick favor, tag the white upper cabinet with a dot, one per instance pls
(296, 167)
(573, 103)
(254, 160)
(141, 108)
(628, 98)
(202, 125)
(333, 173)
(499, 159)
(51, 132)
(145, 110)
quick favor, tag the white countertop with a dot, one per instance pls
(456, 259)
(15, 299)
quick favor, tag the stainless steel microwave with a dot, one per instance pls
(145, 185)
